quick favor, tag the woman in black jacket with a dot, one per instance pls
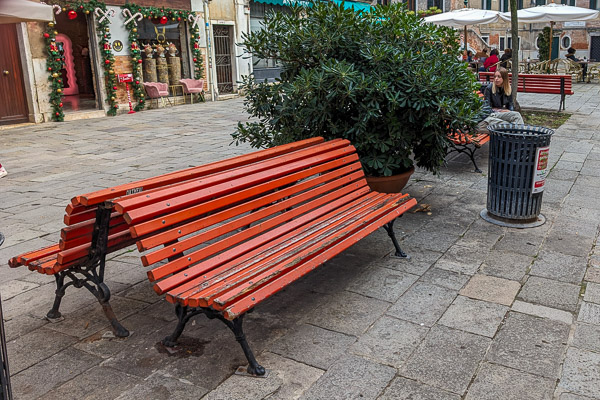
(498, 97)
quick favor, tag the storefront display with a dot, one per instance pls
(172, 61)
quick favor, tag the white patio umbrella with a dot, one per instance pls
(12, 11)
(553, 13)
(464, 17)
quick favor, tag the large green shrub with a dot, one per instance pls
(385, 80)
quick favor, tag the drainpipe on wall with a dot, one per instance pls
(209, 52)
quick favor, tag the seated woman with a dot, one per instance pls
(505, 58)
(571, 56)
(498, 107)
(490, 62)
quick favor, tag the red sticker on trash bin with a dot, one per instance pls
(541, 168)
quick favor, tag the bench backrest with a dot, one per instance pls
(196, 231)
(80, 216)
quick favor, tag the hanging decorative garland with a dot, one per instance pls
(55, 60)
(54, 65)
(134, 13)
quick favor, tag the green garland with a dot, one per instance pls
(165, 14)
(54, 64)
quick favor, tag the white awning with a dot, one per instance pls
(463, 17)
(12, 11)
(553, 13)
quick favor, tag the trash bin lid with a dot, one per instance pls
(519, 130)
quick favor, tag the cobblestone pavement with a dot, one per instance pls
(479, 312)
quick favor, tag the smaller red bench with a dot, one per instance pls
(539, 83)
(467, 143)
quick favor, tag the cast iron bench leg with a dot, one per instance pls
(94, 285)
(184, 314)
(467, 150)
(54, 314)
(90, 274)
(389, 228)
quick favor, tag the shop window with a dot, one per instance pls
(565, 42)
(164, 41)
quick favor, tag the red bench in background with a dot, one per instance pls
(539, 83)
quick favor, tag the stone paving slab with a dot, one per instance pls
(492, 289)
(498, 382)
(447, 359)
(530, 344)
(580, 372)
(364, 325)
(550, 293)
(406, 389)
(351, 377)
(474, 316)
(423, 304)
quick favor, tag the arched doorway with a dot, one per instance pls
(77, 73)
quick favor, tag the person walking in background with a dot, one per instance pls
(498, 104)
(505, 58)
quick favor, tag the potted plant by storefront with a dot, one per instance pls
(385, 80)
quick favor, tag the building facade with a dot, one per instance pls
(71, 68)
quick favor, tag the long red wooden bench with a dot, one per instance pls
(540, 83)
(93, 229)
(222, 243)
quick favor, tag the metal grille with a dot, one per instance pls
(222, 35)
(595, 48)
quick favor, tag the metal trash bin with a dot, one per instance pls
(517, 173)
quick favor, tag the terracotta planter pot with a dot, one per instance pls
(390, 184)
